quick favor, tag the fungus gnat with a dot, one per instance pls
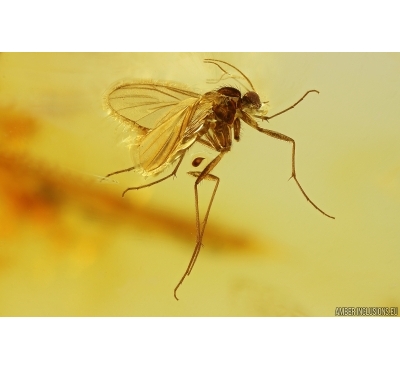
(166, 119)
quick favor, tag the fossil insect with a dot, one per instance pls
(166, 119)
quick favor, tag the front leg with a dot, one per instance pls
(285, 110)
(277, 135)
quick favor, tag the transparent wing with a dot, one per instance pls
(143, 104)
(174, 133)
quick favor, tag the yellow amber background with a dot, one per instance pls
(72, 246)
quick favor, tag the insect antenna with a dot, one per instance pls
(216, 61)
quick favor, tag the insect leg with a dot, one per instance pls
(277, 135)
(203, 175)
(120, 171)
(173, 173)
(291, 107)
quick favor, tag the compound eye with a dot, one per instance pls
(251, 100)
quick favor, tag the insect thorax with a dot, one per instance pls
(223, 118)
(225, 105)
